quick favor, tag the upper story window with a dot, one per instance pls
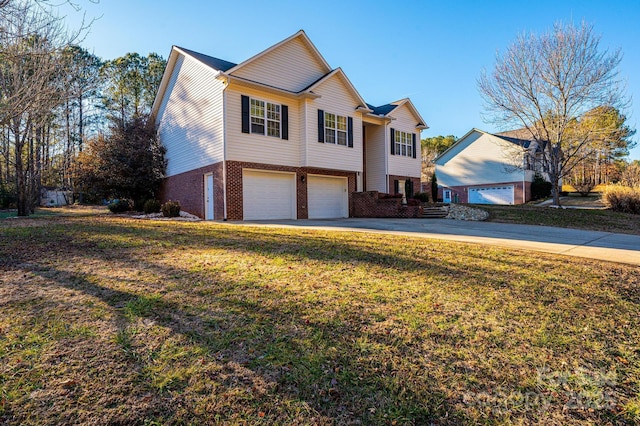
(265, 113)
(265, 118)
(335, 129)
(404, 144)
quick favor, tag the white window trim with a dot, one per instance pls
(335, 131)
(265, 117)
(403, 144)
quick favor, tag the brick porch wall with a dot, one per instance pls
(188, 189)
(234, 185)
(416, 182)
(367, 204)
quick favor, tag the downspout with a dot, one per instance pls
(386, 155)
(224, 149)
(524, 176)
(524, 188)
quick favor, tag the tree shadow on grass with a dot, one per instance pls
(230, 345)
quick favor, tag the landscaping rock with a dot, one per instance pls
(184, 216)
(460, 212)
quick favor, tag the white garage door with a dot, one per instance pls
(268, 195)
(491, 195)
(328, 197)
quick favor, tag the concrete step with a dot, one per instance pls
(435, 212)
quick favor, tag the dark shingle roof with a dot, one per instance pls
(520, 137)
(522, 142)
(383, 109)
(215, 63)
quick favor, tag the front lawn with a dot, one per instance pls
(111, 320)
(593, 220)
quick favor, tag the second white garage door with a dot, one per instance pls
(491, 195)
(328, 197)
(268, 195)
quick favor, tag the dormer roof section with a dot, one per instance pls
(338, 73)
(389, 109)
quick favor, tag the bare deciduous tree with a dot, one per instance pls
(31, 40)
(544, 83)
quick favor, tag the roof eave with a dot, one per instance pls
(363, 109)
(412, 108)
(458, 142)
(354, 91)
(164, 82)
(232, 79)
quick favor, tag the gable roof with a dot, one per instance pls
(507, 136)
(305, 40)
(387, 110)
(215, 63)
(520, 137)
(407, 102)
(226, 69)
(337, 73)
(458, 143)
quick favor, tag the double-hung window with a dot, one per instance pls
(265, 116)
(403, 144)
(335, 129)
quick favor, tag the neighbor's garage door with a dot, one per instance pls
(328, 197)
(492, 195)
(268, 195)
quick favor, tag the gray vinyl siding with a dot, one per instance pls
(336, 99)
(375, 151)
(255, 148)
(405, 121)
(480, 159)
(276, 67)
(191, 117)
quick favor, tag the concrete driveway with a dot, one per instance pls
(607, 246)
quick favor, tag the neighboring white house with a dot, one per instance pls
(485, 168)
(281, 135)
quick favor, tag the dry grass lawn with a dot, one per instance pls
(111, 320)
(589, 219)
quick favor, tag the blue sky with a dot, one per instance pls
(430, 51)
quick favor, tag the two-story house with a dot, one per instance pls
(281, 135)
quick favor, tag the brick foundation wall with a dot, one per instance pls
(368, 204)
(234, 185)
(188, 189)
(463, 191)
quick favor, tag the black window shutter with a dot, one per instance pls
(245, 114)
(320, 126)
(350, 132)
(393, 143)
(410, 192)
(285, 121)
(414, 144)
(396, 186)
